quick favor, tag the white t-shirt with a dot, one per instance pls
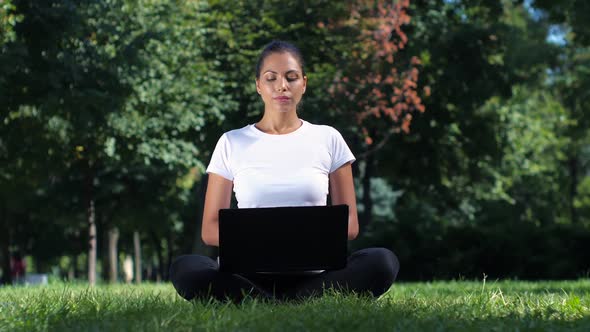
(280, 170)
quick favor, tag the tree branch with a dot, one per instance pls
(379, 145)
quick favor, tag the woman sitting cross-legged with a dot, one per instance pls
(281, 160)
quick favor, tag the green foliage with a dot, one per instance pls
(175, 93)
(483, 171)
(571, 80)
(531, 132)
(572, 13)
(452, 251)
(384, 199)
(117, 95)
(235, 33)
(124, 100)
(8, 20)
(452, 159)
(582, 202)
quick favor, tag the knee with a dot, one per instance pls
(190, 274)
(383, 263)
(188, 264)
(180, 264)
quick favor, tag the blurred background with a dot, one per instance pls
(468, 119)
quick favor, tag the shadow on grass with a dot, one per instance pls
(332, 313)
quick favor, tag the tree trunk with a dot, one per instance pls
(6, 275)
(103, 237)
(113, 239)
(573, 170)
(149, 271)
(169, 254)
(5, 244)
(159, 255)
(91, 217)
(73, 273)
(91, 244)
(137, 249)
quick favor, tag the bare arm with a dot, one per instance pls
(218, 197)
(342, 192)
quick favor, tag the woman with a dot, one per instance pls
(281, 160)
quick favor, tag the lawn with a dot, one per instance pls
(455, 306)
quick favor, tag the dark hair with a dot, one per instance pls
(279, 46)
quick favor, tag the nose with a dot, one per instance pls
(282, 86)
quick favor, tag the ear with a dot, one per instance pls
(304, 83)
(257, 86)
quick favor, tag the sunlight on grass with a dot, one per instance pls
(455, 305)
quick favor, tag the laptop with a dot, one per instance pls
(283, 239)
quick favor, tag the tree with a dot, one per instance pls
(374, 80)
(532, 134)
(374, 84)
(127, 87)
(21, 173)
(470, 52)
(26, 145)
(572, 81)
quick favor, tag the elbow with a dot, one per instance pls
(353, 233)
(353, 229)
(205, 239)
(209, 239)
(353, 225)
(210, 232)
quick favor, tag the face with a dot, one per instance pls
(281, 83)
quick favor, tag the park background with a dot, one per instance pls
(467, 119)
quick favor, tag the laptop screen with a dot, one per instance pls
(283, 239)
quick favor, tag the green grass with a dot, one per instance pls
(455, 306)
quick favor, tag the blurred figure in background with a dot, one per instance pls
(18, 268)
(128, 269)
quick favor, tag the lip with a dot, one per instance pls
(282, 99)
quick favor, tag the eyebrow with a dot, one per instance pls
(287, 72)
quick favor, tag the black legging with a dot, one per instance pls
(370, 270)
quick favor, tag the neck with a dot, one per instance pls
(279, 123)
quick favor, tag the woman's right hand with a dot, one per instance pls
(218, 197)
